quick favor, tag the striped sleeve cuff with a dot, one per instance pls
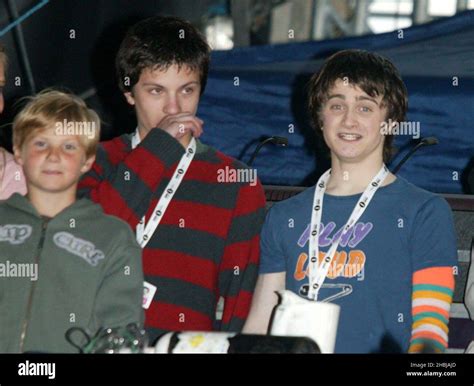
(431, 301)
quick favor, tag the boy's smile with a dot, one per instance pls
(53, 163)
(162, 93)
(351, 123)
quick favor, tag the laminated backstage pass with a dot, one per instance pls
(296, 316)
(148, 294)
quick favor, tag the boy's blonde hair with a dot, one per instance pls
(64, 112)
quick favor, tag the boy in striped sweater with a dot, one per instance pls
(199, 234)
(393, 244)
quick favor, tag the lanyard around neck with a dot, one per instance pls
(317, 274)
(145, 231)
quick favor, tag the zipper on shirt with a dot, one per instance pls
(33, 285)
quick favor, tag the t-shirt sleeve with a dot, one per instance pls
(272, 257)
(433, 240)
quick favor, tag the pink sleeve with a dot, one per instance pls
(13, 178)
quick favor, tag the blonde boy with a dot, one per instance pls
(65, 263)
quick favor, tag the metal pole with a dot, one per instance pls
(20, 40)
(360, 22)
(301, 18)
(240, 10)
(461, 5)
(341, 23)
(320, 19)
(420, 11)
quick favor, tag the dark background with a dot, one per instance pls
(84, 63)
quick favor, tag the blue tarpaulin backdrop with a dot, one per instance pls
(260, 91)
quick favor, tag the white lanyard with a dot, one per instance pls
(317, 275)
(145, 231)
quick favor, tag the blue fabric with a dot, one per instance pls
(260, 91)
(404, 229)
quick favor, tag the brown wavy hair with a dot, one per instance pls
(373, 73)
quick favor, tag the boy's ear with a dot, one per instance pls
(129, 97)
(17, 154)
(88, 164)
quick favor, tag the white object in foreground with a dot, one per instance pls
(296, 316)
(191, 342)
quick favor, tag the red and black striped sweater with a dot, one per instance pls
(207, 244)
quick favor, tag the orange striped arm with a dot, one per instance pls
(431, 301)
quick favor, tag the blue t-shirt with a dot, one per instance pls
(404, 229)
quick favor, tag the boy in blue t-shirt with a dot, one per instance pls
(394, 244)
